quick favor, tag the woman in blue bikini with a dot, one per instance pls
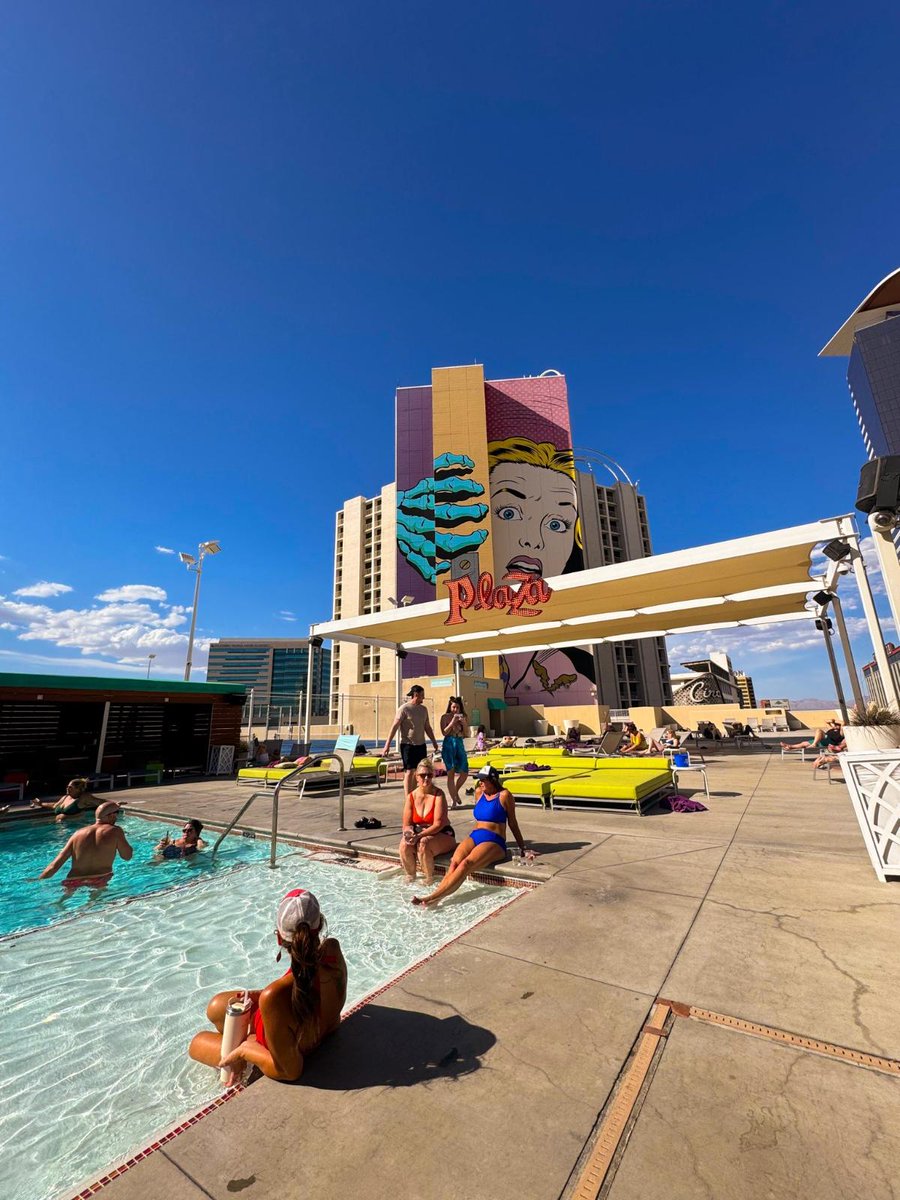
(486, 844)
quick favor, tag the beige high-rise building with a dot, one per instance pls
(365, 568)
(745, 686)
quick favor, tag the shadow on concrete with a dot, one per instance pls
(388, 1047)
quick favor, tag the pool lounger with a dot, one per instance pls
(624, 791)
(533, 787)
(367, 767)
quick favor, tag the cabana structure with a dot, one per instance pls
(748, 581)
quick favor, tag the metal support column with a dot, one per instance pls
(398, 685)
(858, 698)
(886, 551)
(101, 745)
(823, 624)
(456, 675)
(250, 730)
(888, 682)
(315, 644)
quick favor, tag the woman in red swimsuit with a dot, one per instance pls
(296, 1012)
(426, 830)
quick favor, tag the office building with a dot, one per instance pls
(872, 676)
(870, 337)
(745, 686)
(487, 481)
(275, 668)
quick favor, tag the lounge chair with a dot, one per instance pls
(623, 784)
(356, 768)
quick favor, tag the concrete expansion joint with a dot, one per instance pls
(595, 1169)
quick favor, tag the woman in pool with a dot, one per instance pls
(293, 1015)
(76, 801)
(453, 750)
(426, 830)
(185, 846)
(486, 844)
(536, 529)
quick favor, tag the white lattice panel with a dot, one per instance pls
(221, 760)
(874, 782)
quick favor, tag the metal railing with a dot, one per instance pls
(276, 796)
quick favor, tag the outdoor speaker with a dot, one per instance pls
(879, 484)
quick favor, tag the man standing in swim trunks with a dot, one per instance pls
(93, 850)
(414, 725)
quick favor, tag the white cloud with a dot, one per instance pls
(43, 589)
(132, 591)
(124, 631)
(163, 550)
(286, 615)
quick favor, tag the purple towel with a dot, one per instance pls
(681, 804)
(534, 767)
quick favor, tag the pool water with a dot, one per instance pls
(29, 846)
(98, 1012)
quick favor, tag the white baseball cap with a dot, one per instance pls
(299, 907)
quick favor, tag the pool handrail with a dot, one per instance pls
(275, 798)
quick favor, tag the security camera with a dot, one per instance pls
(884, 520)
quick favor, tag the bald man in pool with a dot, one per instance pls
(93, 850)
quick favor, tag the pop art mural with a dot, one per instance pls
(486, 484)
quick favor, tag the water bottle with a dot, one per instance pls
(234, 1032)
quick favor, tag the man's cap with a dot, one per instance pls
(107, 808)
(415, 690)
(299, 907)
(489, 772)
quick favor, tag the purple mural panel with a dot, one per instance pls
(414, 462)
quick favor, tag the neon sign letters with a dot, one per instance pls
(523, 601)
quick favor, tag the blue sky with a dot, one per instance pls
(229, 231)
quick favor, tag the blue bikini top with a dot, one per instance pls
(490, 810)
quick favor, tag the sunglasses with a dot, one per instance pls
(424, 774)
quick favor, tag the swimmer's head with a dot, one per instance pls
(75, 787)
(192, 829)
(108, 811)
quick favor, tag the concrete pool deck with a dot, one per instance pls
(483, 1072)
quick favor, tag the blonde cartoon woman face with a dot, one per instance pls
(534, 513)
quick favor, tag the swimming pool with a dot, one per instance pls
(99, 1011)
(29, 846)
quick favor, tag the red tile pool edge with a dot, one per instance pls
(92, 1189)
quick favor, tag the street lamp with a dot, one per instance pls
(150, 658)
(196, 565)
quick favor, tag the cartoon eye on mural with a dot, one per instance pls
(534, 507)
(434, 505)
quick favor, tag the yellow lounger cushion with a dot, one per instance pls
(625, 785)
(536, 783)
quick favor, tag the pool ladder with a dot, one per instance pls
(276, 795)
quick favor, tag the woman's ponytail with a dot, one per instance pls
(305, 950)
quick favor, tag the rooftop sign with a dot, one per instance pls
(521, 601)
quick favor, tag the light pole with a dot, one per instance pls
(150, 658)
(196, 565)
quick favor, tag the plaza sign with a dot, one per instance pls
(521, 601)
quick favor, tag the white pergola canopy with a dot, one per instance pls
(745, 581)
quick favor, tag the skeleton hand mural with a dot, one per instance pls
(434, 505)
